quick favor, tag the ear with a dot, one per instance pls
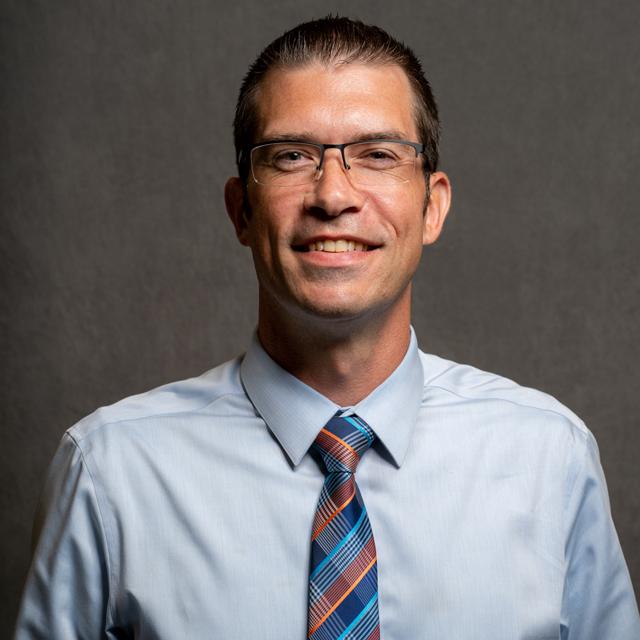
(234, 196)
(437, 206)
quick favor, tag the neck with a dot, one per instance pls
(344, 360)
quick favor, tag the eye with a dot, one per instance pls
(376, 156)
(380, 154)
(292, 159)
(288, 156)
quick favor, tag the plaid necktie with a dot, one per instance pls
(343, 578)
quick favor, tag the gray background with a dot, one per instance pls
(120, 270)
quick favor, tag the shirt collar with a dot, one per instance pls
(295, 413)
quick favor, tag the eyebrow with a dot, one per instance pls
(303, 136)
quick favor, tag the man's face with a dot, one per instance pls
(335, 105)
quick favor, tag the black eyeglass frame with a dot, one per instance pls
(418, 147)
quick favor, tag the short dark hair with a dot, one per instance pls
(335, 40)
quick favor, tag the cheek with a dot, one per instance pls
(269, 240)
(404, 212)
(272, 214)
(263, 246)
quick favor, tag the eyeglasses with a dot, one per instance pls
(290, 163)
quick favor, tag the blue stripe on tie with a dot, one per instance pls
(353, 604)
(357, 619)
(351, 421)
(342, 543)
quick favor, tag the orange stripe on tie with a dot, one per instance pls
(335, 606)
(332, 516)
(342, 442)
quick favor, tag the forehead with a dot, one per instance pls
(335, 103)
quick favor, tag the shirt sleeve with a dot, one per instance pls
(598, 599)
(66, 592)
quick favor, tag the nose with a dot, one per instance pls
(333, 193)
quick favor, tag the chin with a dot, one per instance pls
(336, 314)
(334, 310)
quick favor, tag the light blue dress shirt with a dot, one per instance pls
(186, 512)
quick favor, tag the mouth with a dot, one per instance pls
(335, 246)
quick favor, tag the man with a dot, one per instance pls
(335, 482)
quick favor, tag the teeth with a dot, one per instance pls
(337, 246)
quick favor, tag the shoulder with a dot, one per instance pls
(172, 402)
(494, 399)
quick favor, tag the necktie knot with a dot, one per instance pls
(342, 442)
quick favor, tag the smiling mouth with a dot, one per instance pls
(335, 246)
